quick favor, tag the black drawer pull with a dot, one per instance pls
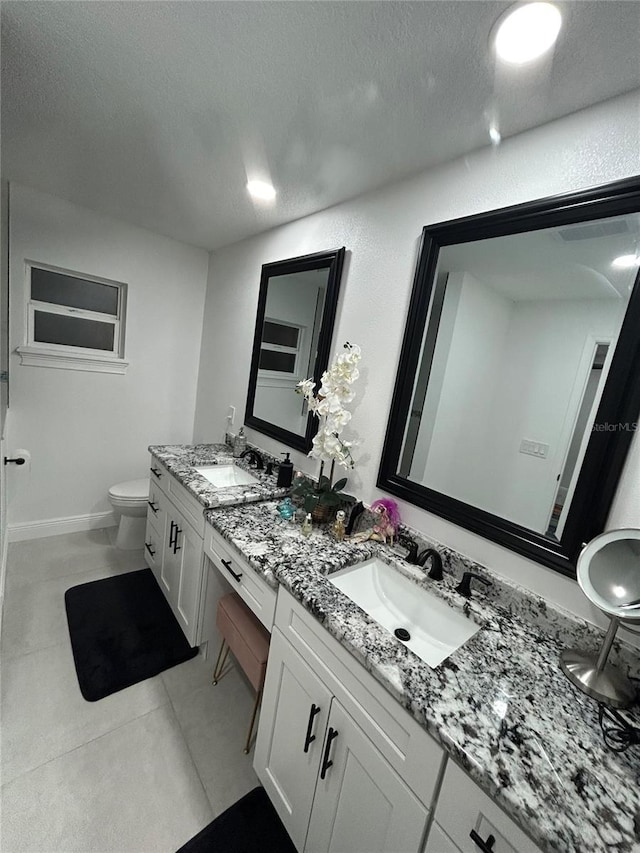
(154, 506)
(227, 565)
(155, 472)
(309, 738)
(326, 764)
(177, 547)
(485, 846)
(147, 545)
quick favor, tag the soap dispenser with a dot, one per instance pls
(285, 472)
(239, 443)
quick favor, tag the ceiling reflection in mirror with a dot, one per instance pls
(516, 349)
(288, 346)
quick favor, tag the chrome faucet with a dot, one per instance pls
(255, 456)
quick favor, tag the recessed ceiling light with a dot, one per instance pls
(626, 262)
(526, 32)
(261, 190)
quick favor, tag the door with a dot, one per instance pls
(295, 710)
(361, 804)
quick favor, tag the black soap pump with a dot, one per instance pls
(285, 472)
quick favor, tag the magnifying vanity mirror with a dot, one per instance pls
(518, 389)
(609, 575)
(294, 325)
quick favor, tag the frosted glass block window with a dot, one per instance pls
(73, 313)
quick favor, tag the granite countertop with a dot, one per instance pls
(182, 459)
(499, 705)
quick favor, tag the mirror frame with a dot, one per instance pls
(619, 403)
(332, 260)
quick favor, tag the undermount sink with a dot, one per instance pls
(435, 629)
(225, 476)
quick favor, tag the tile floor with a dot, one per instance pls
(142, 770)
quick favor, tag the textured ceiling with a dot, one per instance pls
(157, 112)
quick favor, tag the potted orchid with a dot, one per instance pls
(328, 405)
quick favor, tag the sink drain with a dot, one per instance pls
(402, 634)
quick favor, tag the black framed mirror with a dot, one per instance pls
(518, 387)
(294, 325)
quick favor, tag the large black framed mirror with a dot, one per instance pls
(518, 387)
(297, 307)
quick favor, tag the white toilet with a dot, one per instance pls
(130, 500)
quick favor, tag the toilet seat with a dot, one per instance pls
(131, 491)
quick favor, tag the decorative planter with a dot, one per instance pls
(323, 514)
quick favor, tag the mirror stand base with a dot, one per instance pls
(608, 685)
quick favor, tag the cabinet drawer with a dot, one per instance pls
(412, 753)
(156, 507)
(159, 475)
(463, 807)
(153, 540)
(255, 592)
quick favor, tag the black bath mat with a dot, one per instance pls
(249, 826)
(122, 632)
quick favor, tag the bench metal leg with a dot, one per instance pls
(256, 705)
(220, 662)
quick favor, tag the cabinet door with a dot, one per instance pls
(170, 568)
(188, 548)
(295, 709)
(181, 573)
(362, 803)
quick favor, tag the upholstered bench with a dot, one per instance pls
(248, 640)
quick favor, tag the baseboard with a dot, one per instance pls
(55, 526)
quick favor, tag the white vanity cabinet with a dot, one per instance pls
(465, 818)
(254, 590)
(345, 768)
(173, 548)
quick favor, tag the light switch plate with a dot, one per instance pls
(534, 448)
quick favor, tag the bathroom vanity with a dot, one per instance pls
(494, 741)
(178, 496)
(363, 745)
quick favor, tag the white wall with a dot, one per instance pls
(381, 231)
(458, 463)
(87, 431)
(546, 343)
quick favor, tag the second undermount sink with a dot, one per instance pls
(435, 630)
(225, 476)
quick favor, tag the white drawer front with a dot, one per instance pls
(159, 475)
(256, 593)
(157, 507)
(464, 808)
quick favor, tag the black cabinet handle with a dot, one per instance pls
(154, 506)
(147, 545)
(173, 524)
(485, 846)
(326, 764)
(309, 738)
(227, 565)
(177, 547)
(155, 472)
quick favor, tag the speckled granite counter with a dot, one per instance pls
(499, 705)
(182, 459)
